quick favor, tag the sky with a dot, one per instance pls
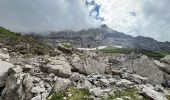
(150, 18)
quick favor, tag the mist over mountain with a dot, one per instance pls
(104, 36)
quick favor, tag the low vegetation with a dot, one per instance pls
(81, 94)
(126, 94)
(15, 42)
(75, 94)
(151, 54)
(168, 97)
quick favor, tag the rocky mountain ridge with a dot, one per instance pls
(104, 36)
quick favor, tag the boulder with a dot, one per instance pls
(145, 67)
(15, 70)
(4, 54)
(61, 84)
(124, 83)
(166, 59)
(76, 77)
(97, 92)
(88, 65)
(65, 47)
(163, 66)
(166, 82)
(59, 67)
(38, 89)
(4, 66)
(87, 85)
(152, 94)
(18, 87)
(116, 72)
(42, 96)
(138, 79)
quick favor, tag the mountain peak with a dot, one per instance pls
(104, 26)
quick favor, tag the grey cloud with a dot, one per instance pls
(157, 15)
(44, 15)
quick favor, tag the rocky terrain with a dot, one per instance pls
(67, 73)
(104, 36)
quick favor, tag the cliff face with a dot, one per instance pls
(103, 36)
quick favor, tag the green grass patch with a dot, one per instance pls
(151, 54)
(15, 42)
(168, 97)
(126, 94)
(77, 94)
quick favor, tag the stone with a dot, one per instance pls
(166, 59)
(38, 97)
(97, 92)
(104, 82)
(75, 77)
(124, 83)
(65, 47)
(61, 84)
(150, 93)
(87, 85)
(163, 66)
(166, 82)
(88, 65)
(15, 70)
(116, 72)
(37, 89)
(139, 79)
(3, 54)
(17, 87)
(59, 67)
(145, 67)
(4, 66)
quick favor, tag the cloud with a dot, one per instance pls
(138, 17)
(44, 15)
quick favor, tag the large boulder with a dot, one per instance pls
(88, 65)
(166, 59)
(4, 66)
(65, 47)
(151, 94)
(146, 67)
(61, 84)
(4, 54)
(18, 87)
(59, 66)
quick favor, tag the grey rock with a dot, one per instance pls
(37, 89)
(61, 84)
(124, 83)
(15, 70)
(76, 77)
(163, 66)
(59, 67)
(149, 92)
(166, 59)
(145, 67)
(4, 54)
(166, 82)
(88, 65)
(96, 92)
(139, 79)
(4, 66)
(87, 85)
(104, 82)
(38, 97)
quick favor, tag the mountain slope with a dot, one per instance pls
(104, 36)
(15, 42)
